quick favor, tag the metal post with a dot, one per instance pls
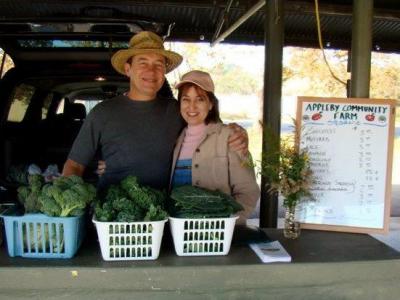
(274, 31)
(361, 46)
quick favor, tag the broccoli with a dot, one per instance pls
(66, 196)
(29, 195)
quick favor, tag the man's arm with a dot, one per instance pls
(238, 141)
(71, 167)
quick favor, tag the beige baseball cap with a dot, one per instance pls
(199, 78)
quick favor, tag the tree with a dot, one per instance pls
(221, 62)
(385, 76)
(305, 72)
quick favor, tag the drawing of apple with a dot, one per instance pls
(316, 116)
(370, 117)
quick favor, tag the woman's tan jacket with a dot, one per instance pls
(215, 167)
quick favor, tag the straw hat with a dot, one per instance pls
(145, 42)
(199, 78)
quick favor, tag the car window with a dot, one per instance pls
(88, 104)
(22, 96)
(56, 43)
(6, 63)
(60, 107)
(46, 105)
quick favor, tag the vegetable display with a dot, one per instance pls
(66, 196)
(29, 195)
(131, 202)
(63, 197)
(195, 202)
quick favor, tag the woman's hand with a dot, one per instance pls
(101, 167)
(239, 140)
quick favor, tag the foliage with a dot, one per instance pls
(195, 202)
(385, 70)
(131, 202)
(23, 94)
(29, 195)
(63, 197)
(144, 196)
(228, 74)
(286, 168)
(66, 196)
(305, 72)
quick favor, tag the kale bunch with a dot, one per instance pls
(131, 202)
(66, 196)
(29, 195)
(195, 202)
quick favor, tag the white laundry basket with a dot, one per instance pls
(202, 237)
(130, 241)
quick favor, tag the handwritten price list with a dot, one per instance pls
(347, 146)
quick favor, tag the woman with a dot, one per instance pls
(202, 156)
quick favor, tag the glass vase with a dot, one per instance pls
(291, 228)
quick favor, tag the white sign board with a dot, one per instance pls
(350, 144)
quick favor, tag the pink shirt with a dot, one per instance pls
(193, 136)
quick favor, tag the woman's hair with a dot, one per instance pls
(213, 114)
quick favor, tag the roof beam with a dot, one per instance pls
(221, 20)
(239, 22)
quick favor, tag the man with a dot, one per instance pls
(136, 132)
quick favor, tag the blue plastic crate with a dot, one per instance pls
(40, 236)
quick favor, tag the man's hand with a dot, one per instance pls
(238, 141)
(71, 167)
(101, 167)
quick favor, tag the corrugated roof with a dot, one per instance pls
(195, 20)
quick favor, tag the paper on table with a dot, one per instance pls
(271, 252)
